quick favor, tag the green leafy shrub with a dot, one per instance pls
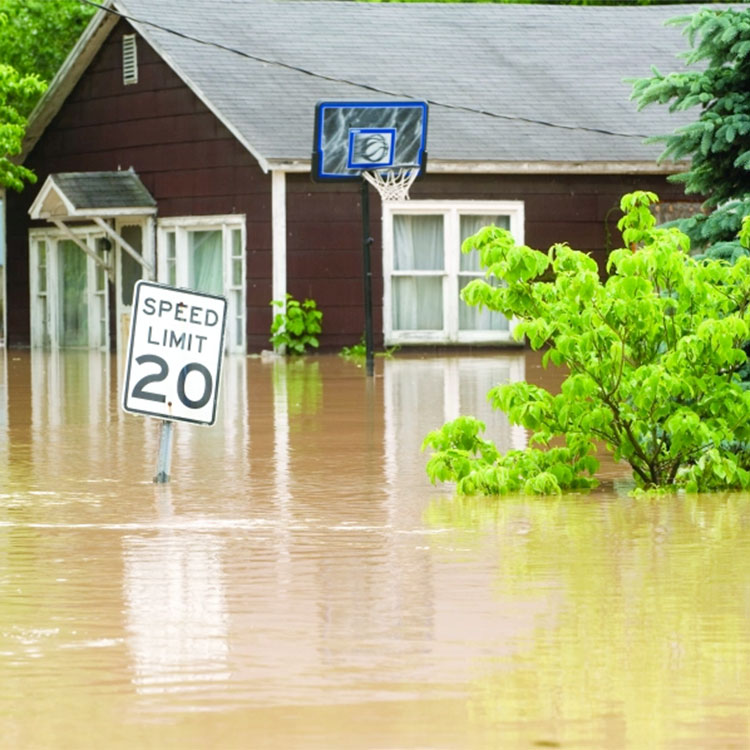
(652, 357)
(16, 94)
(476, 466)
(358, 352)
(296, 326)
(355, 351)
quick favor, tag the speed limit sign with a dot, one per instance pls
(175, 352)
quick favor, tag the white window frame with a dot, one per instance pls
(451, 211)
(174, 270)
(97, 300)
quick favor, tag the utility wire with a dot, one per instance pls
(357, 84)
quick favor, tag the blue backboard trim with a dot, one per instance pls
(341, 153)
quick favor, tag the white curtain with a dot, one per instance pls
(417, 300)
(205, 261)
(471, 318)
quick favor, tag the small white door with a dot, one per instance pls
(69, 293)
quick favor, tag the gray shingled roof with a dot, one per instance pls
(98, 190)
(551, 76)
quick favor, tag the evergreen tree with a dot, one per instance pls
(717, 143)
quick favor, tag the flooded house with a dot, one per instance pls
(176, 144)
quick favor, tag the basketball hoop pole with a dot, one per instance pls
(367, 276)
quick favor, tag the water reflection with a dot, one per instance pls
(300, 584)
(420, 395)
(652, 602)
(176, 611)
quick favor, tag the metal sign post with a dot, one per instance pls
(174, 359)
(164, 464)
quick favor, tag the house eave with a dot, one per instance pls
(90, 213)
(552, 167)
(445, 166)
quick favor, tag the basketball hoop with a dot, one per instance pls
(392, 183)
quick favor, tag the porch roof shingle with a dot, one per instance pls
(102, 190)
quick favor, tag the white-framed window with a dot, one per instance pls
(207, 254)
(69, 291)
(424, 270)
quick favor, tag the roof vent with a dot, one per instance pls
(129, 60)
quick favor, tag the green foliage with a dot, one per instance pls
(355, 351)
(476, 466)
(16, 93)
(652, 357)
(717, 86)
(37, 35)
(296, 326)
(358, 351)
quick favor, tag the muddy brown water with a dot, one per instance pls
(300, 584)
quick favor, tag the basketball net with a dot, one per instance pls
(393, 183)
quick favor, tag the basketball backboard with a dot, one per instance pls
(353, 137)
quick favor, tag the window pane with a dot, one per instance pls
(101, 274)
(236, 243)
(472, 319)
(471, 225)
(171, 245)
(237, 272)
(43, 317)
(132, 270)
(171, 258)
(417, 303)
(42, 266)
(418, 243)
(204, 261)
(74, 329)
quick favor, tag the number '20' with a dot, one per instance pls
(139, 390)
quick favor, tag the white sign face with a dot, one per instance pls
(175, 352)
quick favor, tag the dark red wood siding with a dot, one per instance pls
(324, 240)
(193, 166)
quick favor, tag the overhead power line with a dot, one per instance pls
(358, 84)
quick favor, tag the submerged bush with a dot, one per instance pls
(652, 356)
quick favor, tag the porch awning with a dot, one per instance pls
(96, 197)
(87, 195)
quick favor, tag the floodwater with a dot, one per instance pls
(300, 584)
